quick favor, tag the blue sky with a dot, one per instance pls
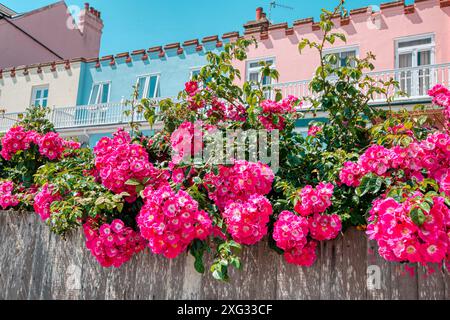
(138, 24)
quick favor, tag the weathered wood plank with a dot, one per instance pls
(378, 274)
(331, 279)
(431, 283)
(447, 283)
(404, 284)
(40, 284)
(21, 252)
(354, 266)
(67, 259)
(296, 282)
(256, 280)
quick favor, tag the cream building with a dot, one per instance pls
(54, 84)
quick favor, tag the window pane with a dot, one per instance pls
(254, 76)
(424, 58)
(195, 73)
(45, 93)
(105, 93)
(414, 43)
(266, 80)
(141, 87)
(152, 87)
(345, 56)
(38, 94)
(94, 94)
(44, 103)
(254, 65)
(405, 60)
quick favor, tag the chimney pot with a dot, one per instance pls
(86, 6)
(259, 13)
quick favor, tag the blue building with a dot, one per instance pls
(107, 83)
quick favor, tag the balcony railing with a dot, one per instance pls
(413, 81)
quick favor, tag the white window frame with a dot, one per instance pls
(416, 49)
(249, 70)
(340, 50)
(147, 83)
(100, 92)
(192, 70)
(417, 73)
(34, 90)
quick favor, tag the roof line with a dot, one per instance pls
(51, 5)
(30, 36)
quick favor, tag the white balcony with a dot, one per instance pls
(413, 81)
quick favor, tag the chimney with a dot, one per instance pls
(259, 12)
(91, 26)
(260, 24)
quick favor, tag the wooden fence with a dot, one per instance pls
(35, 264)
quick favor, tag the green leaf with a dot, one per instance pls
(417, 216)
(132, 182)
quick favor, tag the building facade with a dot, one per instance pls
(159, 72)
(47, 84)
(411, 44)
(48, 34)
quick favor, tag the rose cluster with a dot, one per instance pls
(314, 130)
(401, 236)
(15, 140)
(7, 198)
(50, 145)
(226, 111)
(238, 182)
(273, 113)
(112, 244)
(324, 227)
(44, 199)
(430, 157)
(441, 97)
(187, 140)
(238, 191)
(171, 220)
(291, 234)
(314, 200)
(247, 220)
(118, 161)
(351, 174)
(192, 88)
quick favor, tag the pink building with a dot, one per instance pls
(411, 44)
(48, 34)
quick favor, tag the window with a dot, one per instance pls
(194, 72)
(100, 93)
(254, 71)
(148, 86)
(343, 56)
(415, 54)
(39, 96)
(254, 74)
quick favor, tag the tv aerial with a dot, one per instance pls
(274, 5)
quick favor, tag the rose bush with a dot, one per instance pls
(183, 190)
